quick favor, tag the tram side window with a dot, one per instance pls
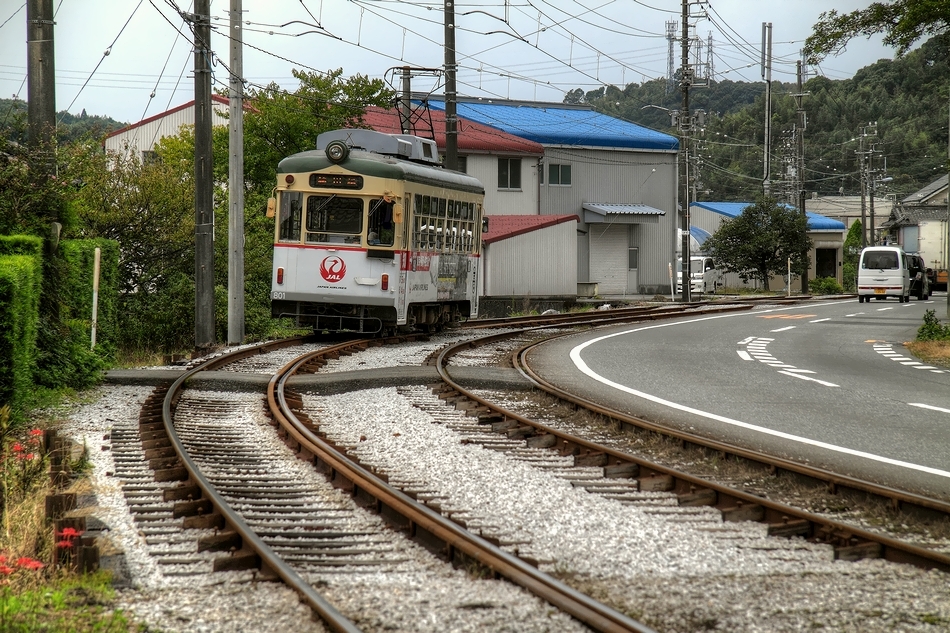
(380, 223)
(290, 215)
(334, 219)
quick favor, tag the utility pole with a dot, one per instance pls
(767, 76)
(686, 77)
(236, 181)
(204, 194)
(451, 97)
(800, 166)
(405, 106)
(41, 77)
(863, 170)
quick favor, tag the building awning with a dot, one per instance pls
(598, 212)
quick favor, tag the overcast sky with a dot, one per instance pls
(519, 49)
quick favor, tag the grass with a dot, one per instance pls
(931, 352)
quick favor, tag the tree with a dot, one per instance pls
(852, 252)
(759, 242)
(902, 22)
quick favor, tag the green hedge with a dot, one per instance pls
(20, 277)
(76, 293)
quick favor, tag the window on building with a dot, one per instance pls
(559, 175)
(509, 173)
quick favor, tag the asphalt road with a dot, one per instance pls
(827, 383)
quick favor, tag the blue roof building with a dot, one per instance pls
(562, 124)
(827, 236)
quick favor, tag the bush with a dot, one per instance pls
(932, 329)
(19, 316)
(825, 286)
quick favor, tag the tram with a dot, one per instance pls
(373, 236)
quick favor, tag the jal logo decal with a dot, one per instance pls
(332, 269)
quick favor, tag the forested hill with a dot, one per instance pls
(69, 127)
(908, 98)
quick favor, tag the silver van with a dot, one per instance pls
(882, 273)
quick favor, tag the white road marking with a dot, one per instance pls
(821, 382)
(820, 320)
(855, 314)
(884, 309)
(783, 329)
(928, 406)
(746, 340)
(800, 371)
(743, 354)
(583, 368)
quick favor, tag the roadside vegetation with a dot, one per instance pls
(39, 589)
(932, 344)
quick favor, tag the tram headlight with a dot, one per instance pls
(337, 151)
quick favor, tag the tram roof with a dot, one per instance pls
(378, 165)
(561, 124)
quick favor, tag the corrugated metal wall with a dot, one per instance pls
(538, 264)
(624, 177)
(144, 137)
(608, 257)
(523, 202)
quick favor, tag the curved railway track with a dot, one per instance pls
(849, 542)
(199, 501)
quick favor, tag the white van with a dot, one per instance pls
(703, 275)
(882, 272)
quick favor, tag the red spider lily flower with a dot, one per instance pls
(29, 563)
(6, 570)
(17, 447)
(30, 455)
(3, 559)
(36, 432)
(64, 544)
(70, 532)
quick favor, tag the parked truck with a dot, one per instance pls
(931, 246)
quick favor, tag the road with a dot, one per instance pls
(827, 383)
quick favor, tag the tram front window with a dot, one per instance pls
(334, 219)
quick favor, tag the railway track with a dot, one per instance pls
(419, 511)
(849, 542)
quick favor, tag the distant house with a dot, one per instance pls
(849, 209)
(141, 137)
(827, 236)
(918, 223)
(619, 178)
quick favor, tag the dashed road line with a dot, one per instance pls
(887, 351)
